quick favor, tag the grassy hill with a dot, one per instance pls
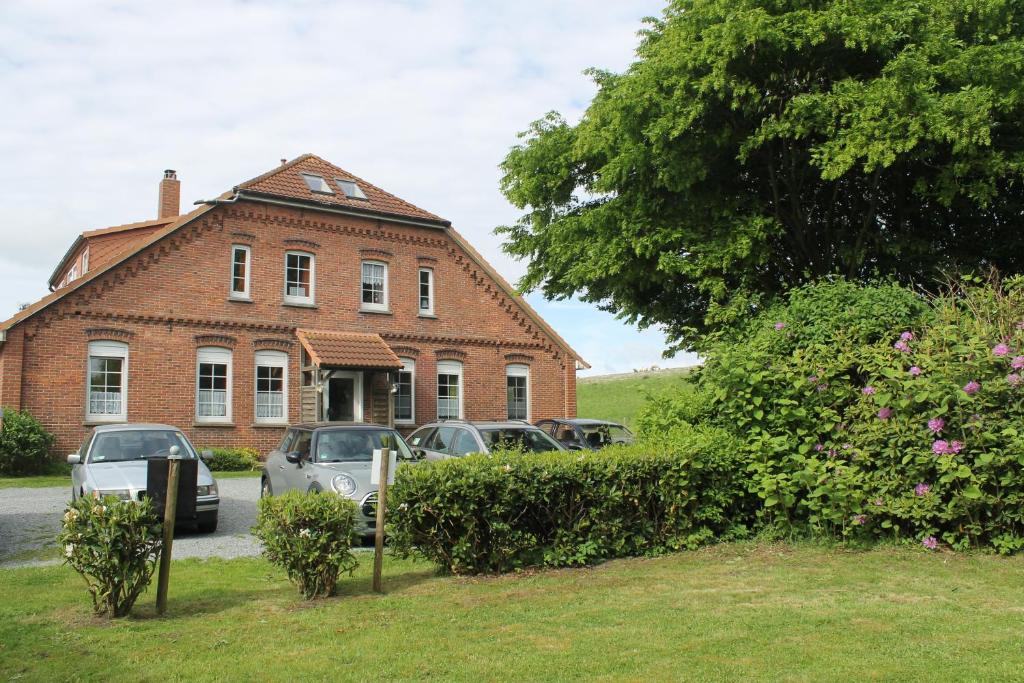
(619, 397)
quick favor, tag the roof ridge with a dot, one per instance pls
(279, 168)
(124, 227)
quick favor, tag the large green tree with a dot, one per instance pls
(755, 145)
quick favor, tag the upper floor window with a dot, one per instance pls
(73, 273)
(426, 293)
(85, 261)
(350, 188)
(107, 382)
(449, 390)
(405, 393)
(299, 274)
(316, 183)
(517, 383)
(213, 384)
(375, 286)
(241, 257)
(271, 387)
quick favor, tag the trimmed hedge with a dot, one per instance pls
(24, 445)
(232, 459)
(497, 513)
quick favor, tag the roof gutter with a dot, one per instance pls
(242, 194)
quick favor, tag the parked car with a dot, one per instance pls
(579, 434)
(456, 438)
(332, 457)
(113, 462)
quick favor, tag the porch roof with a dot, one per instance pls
(348, 350)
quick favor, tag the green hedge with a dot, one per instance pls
(482, 514)
(232, 459)
(24, 445)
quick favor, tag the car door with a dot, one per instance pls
(276, 462)
(464, 443)
(78, 471)
(567, 435)
(418, 440)
(438, 446)
(295, 473)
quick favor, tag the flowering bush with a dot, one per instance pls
(875, 412)
(502, 512)
(24, 445)
(310, 535)
(114, 545)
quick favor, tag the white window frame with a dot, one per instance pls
(409, 365)
(85, 261)
(270, 359)
(107, 349)
(518, 370)
(301, 300)
(372, 306)
(430, 293)
(73, 273)
(245, 293)
(451, 367)
(216, 355)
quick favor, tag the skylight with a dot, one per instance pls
(351, 190)
(316, 183)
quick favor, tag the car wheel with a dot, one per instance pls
(265, 490)
(207, 523)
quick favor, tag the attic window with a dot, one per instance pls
(351, 190)
(317, 183)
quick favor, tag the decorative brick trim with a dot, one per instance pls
(108, 333)
(243, 236)
(215, 340)
(375, 253)
(518, 358)
(426, 260)
(450, 354)
(409, 351)
(273, 343)
(299, 242)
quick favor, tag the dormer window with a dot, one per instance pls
(316, 183)
(351, 190)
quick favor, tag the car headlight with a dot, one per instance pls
(344, 484)
(123, 494)
(210, 490)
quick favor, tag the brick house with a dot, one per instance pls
(303, 294)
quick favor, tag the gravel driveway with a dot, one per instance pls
(30, 520)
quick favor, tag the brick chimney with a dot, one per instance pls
(170, 195)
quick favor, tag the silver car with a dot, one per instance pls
(332, 457)
(113, 462)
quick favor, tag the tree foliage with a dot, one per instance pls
(758, 145)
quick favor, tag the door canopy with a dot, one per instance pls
(351, 350)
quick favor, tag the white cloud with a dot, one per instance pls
(421, 98)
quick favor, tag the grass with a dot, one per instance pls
(619, 397)
(740, 611)
(46, 480)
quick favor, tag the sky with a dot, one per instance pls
(421, 98)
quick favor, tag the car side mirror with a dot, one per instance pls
(293, 458)
(74, 459)
(206, 455)
(419, 453)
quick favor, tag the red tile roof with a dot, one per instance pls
(348, 350)
(104, 243)
(286, 181)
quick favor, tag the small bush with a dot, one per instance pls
(114, 545)
(24, 445)
(233, 459)
(310, 536)
(497, 513)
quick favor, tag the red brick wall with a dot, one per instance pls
(11, 354)
(163, 298)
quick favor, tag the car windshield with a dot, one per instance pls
(599, 436)
(356, 445)
(510, 438)
(138, 444)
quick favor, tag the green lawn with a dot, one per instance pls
(46, 480)
(733, 612)
(618, 398)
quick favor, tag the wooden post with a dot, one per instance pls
(170, 511)
(382, 502)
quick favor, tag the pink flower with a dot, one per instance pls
(860, 519)
(878, 502)
(902, 346)
(885, 413)
(1014, 379)
(972, 387)
(907, 336)
(936, 425)
(922, 489)
(915, 371)
(930, 543)
(780, 326)
(819, 447)
(1000, 350)
(955, 447)
(868, 391)
(940, 447)
(1017, 363)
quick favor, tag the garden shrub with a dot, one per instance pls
(232, 459)
(875, 412)
(114, 545)
(24, 445)
(497, 513)
(310, 536)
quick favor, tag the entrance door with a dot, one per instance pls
(343, 397)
